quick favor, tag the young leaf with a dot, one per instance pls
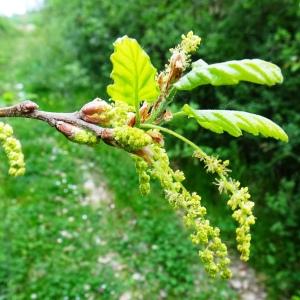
(234, 122)
(133, 74)
(229, 73)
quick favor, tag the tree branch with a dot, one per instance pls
(29, 109)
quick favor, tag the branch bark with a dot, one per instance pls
(29, 110)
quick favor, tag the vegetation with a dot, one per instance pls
(83, 38)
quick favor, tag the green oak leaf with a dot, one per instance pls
(233, 122)
(133, 74)
(230, 73)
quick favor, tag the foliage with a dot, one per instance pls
(234, 122)
(230, 73)
(133, 74)
(80, 33)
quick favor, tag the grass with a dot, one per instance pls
(57, 245)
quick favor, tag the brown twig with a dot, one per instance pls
(29, 109)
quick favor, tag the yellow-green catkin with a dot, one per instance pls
(13, 150)
(180, 60)
(144, 179)
(115, 114)
(82, 136)
(120, 114)
(214, 252)
(107, 114)
(131, 139)
(242, 212)
(190, 42)
(239, 200)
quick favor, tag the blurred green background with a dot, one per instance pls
(75, 226)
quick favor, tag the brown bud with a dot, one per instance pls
(131, 119)
(91, 112)
(144, 111)
(95, 106)
(146, 153)
(28, 106)
(157, 137)
(168, 116)
(95, 119)
(176, 66)
(144, 114)
(65, 128)
(160, 80)
(77, 134)
(108, 134)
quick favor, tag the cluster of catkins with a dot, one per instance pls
(153, 162)
(13, 150)
(214, 252)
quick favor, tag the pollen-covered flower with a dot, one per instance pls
(242, 212)
(120, 114)
(13, 150)
(131, 139)
(144, 179)
(212, 163)
(190, 42)
(85, 137)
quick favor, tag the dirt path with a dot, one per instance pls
(245, 282)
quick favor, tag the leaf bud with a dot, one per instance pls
(96, 112)
(76, 134)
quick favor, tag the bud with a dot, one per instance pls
(177, 65)
(157, 137)
(131, 119)
(168, 116)
(96, 112)
(145, 153)
(161, 80)
(144, 111)
(28, 106)
(76, 134)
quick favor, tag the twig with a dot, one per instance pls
(29, 109)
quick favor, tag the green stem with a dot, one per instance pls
(137, 115)
(177, 135)
(163, 105)
(179, 114)
(171, 95)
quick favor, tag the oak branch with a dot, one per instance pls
(30, 110)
